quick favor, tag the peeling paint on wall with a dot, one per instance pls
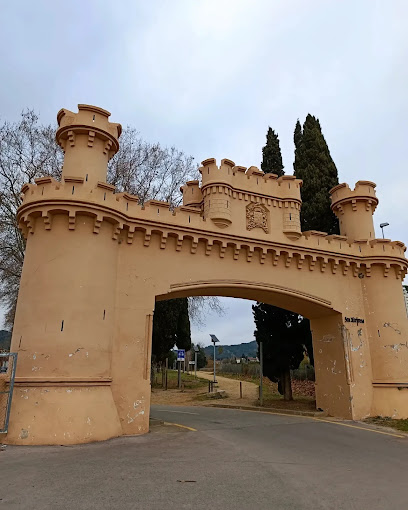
(77, 350)
(392, 326)
(23, 434)
(397, 347)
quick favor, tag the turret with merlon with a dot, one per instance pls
(355, 209)
(89, 141)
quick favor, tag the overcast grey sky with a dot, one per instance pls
(209, 76)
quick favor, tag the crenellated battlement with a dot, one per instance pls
(364, 191)
(355, 209)
(48, 197)
(249, 180)
(88, 140)
(248, 209)
(192, 195)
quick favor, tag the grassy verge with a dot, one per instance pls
(271, 396)
(188, 381)
(389, 422)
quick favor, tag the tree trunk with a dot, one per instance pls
(286, 384)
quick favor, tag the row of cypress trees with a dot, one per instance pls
(285, 334)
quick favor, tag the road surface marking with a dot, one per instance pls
(361, 428)
(181, 426)
(179, 412)
(317, 419)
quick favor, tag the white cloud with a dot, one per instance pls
(209, 76)
(234, 327)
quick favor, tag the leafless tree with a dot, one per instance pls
(200, 306)
(28, 150)
(149, 170)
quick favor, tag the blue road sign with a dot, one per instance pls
(181, 355)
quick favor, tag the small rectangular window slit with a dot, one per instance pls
(73, 189)
(104, 313)
(62, 326)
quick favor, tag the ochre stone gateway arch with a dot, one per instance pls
(96, 261)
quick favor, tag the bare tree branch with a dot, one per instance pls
(200, 306)
(28, 150)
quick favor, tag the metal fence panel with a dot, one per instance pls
(8, 363)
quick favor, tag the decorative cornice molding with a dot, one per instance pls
(122, 224)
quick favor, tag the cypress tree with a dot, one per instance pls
(315, 166)
(297, 138)
(282, 333)
(171, 325)
(271, 154)
(285, 336)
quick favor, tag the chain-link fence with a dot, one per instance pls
(8, 363)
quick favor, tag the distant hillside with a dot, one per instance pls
(229, 351)
(5, 340)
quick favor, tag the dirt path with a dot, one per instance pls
(189, 396)
(231, 386)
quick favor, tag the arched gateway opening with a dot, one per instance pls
(96, 261)
(331, 367)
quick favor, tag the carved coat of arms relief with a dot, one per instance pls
(257, 217)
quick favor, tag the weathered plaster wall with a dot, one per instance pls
(96, 261)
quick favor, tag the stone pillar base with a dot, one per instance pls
(62, 413)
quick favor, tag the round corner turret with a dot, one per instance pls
(192, 195)
(355, 209)
(217, 190)
(88, 140)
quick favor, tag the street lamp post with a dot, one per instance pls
(382, 225)
(196, 350)
(214, 340)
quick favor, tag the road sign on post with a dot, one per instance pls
(181, 357)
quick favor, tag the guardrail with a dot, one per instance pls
(8, 363)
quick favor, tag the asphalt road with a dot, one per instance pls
(232, 460)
